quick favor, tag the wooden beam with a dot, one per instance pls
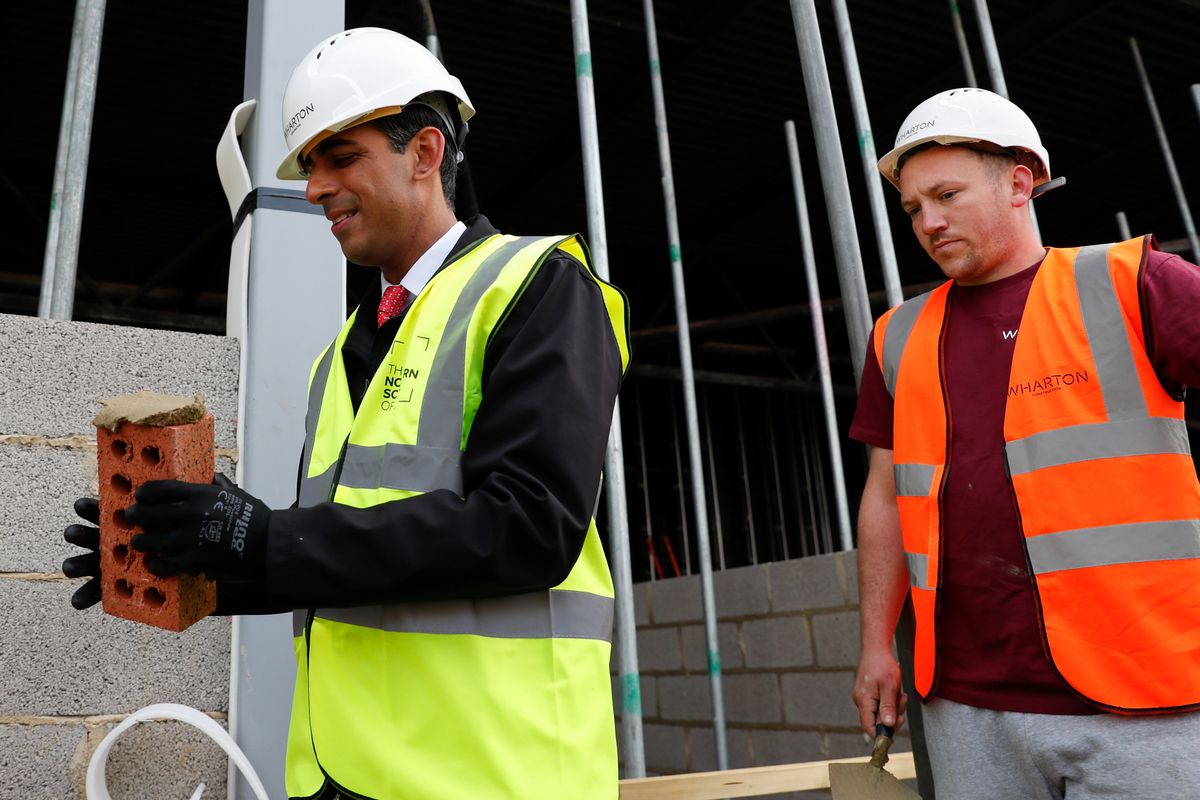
(751, 782)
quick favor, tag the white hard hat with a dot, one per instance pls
(965, 116)
(355, 76)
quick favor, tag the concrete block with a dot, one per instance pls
(676, 600)
(641, 604)
(166, 759)
(741, 592)
(666, 748)
(753, 697)
(785, 747)
(819, 699)
(648, 696)
(36, 761)
(685, 697)
(702, 747)
(806, 583)
(659, 650)
(777, 642)
(836, 638)
(129, 457)
(849, 562)
(86, 662)
(695, 647)
(42, 356)
(845, 745)
(40, 485)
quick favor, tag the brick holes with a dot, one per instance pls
(124, 589)
(154, 598)
(121, 553)
(121, 484)
(120, 449)
(151, 455)
(119, 519)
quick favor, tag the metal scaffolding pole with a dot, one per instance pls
(50, 254)
(818, 324)
(699, 503)
(992, 55)
(1196, 95)
(834, 180)
(1188, 225)
(633, 748)
(961, 36)
(866, 149)
(62, 297)
(1123, 226)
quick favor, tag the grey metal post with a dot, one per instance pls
(291, 252)
(818, 323)
(699, 501)
(1123, 226)
(62, 297)
(866, 149)
(1196, 96)
(50, 255)
(961, 36)
(716, 496)
(614, 463)
(834, 180)
(992, 55)
(1188, 225)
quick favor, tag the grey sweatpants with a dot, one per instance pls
(979, 754)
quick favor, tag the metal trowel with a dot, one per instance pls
(870, 781)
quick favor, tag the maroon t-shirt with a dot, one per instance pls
(990, 652)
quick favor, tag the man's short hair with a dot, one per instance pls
(401, 128)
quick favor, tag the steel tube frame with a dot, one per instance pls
(62, 297)
(1196, 96)
(632, 737)
(833, 180)
(866, 149)
(50, 254)
(960, 36)
(1123, 226)
(1188, 224)
(818, 324)
(699, 504)
(991, 54)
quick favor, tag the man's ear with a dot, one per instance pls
(429, 147)
(1021, 185)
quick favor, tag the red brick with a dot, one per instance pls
(131, 456)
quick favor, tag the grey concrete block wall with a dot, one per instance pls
(788, 634)
(70, 676)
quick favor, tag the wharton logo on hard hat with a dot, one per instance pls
(914, 130)
(297, 118)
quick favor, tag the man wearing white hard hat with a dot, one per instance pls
(452, 602)
(1031, 484)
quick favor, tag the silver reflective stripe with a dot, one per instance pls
(918, 569)
(1143, 436)
(913, 480)
(316, 489)
(1105, 326)
(558, 614)
(407, 467)
(1132, 543)
(299, 616)
(434, 461)
(895, 337)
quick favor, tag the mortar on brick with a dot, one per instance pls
(127, 458)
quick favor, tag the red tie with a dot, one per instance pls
(394, 299)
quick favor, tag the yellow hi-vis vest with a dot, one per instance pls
(475, 699)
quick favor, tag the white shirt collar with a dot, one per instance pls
(425, 267)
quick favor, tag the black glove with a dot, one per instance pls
(88, 564)
(215, 528)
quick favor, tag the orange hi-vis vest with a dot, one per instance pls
(1100, 467)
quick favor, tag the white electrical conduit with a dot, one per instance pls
(97, 786)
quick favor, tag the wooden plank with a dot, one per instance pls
(750, 782)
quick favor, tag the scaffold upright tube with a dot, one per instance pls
(632, 743)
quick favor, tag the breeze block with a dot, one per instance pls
(128, 457)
